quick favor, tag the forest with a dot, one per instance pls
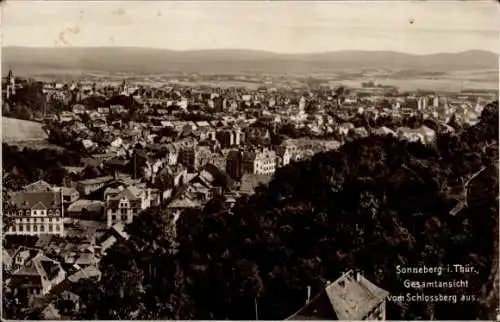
(372, 205)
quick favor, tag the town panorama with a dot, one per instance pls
(245, 185)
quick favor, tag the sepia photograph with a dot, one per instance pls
(250, 160)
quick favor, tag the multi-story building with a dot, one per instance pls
(264, 162)
(195, 157)
(260, 162)
(36, 213)
(230, 137)
(234, 162)
(122, 205)
(38, 275)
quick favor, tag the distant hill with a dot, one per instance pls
(15, 130)
(157, 61)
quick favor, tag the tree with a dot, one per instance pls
(374, 204)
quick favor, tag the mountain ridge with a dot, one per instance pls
(156, 60)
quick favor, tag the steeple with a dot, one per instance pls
(11, 84)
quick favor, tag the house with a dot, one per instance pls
(350, 298)
(230, 137)
(66, 117)
(178, 205)
(194, 157)
(22, 255)
(38, 186)
(88, 186)
(38, 276)
(86, 209)
(260, 162)
(50, 312)
(344, 128)
(69, 302)
(69, 195)
(115, 233)
(90, 272)
(78, 109)
(172, 175)
(125, 203)
(103, 110)
(36, 213)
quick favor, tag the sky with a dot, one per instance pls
(278, 26)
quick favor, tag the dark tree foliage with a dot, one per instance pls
(137, 275)
(22, 170)
(374, 204)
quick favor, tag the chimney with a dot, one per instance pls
(308, 294)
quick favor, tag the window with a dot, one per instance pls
(13, 228)
(124, 218)
(58, 228)
(113, 217)
(123, 211)
(21, 227)
(134, 210)
(35, 228)
(42, 228)
(50, 228)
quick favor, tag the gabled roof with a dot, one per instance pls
(39, 206)
(39, 266)
(28, 200)
(38, 186)
(87, 272)
(351, 297)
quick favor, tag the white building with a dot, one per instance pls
(124, 204)
(36, 213)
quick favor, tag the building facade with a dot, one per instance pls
(122, 205)
(36, 213)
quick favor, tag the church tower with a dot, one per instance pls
(11, 85)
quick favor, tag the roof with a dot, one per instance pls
(251, 181)
(39, 266)
(182, 203)
(51, 313)
(38, 186)
(89, 205)
(351, 297)
(130, 193)
(28, 200)
(119, 229)
(96, 180)
(68, 191)
(87, 259)
(87, 272)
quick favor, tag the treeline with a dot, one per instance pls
(22, 166)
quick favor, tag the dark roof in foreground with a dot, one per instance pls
(351, 297)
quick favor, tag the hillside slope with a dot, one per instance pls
(15, 130)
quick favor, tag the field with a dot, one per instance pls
(15, 130)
